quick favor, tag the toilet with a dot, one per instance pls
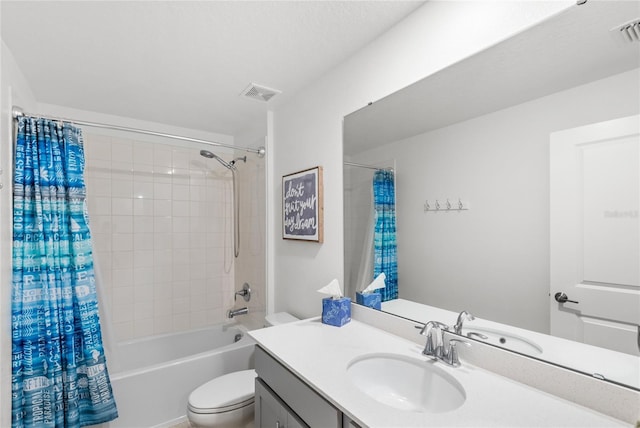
(227, 401)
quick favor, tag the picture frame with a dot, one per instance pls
(302, 205)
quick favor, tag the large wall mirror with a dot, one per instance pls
(536, 139)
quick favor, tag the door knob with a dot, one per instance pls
(562, 298)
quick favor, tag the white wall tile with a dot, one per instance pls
(162, 156)
(143, 327)
(122, 223)
(144, 307)
(143, 207)
(180, 224)
(162, 224)
(143, 258)
(181, 322)
(143, 298)
(97, 147)
(143, 190)
(142, 223)
(142, 276)
(122, 153)
(122, 206)
(100, 206)
(122, 242)
(162, 191)
(122, 260)
(162, 208)
(181, 159)
(122, 278)
(143, 241)
(143, 152)
(162, 241)
(99, 187)
(181, 192)
(153, 211)
(180, 208)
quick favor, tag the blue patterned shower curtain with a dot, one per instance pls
(384, 238)
(59, 373)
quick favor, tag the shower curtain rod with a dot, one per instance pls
(260, 151)
(361, 165)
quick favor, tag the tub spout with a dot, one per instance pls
(240, 311)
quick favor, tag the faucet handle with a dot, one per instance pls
(452, 354)
(245, 293)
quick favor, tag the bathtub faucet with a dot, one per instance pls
(240, 311)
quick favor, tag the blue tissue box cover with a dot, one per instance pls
(370, 300)
(336, 312)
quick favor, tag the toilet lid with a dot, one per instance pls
(224, 393)
(280, 318)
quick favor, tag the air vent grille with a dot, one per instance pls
(259, 92)
(629, 32)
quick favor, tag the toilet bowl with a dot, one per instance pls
(227, 401)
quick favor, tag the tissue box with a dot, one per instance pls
(336, 312)
(370, 300)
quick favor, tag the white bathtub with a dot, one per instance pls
(154, 376)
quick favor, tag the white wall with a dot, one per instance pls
(492, 260)
(307, 130)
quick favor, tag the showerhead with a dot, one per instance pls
(207, 154)
(211, 155)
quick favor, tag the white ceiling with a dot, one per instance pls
(184, 63)
(568, 50)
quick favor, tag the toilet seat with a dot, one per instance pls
(224, 394)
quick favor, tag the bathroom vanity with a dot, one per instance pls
(283, 400)
(311, 374)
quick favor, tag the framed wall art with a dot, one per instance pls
(302, 209)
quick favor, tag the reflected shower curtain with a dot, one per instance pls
(59, 372)
(384, 239)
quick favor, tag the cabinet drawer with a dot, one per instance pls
(314, 410)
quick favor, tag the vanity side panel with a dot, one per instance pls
(306, 403)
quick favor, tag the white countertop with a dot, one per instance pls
(320, 354)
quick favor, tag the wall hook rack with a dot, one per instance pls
(446, 205)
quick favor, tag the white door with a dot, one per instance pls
(595, 234)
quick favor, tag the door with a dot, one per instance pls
(595, 234)
(270, 411)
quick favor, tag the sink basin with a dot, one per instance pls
(406, 384)
(505, 340)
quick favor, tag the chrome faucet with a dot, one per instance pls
(241, 311)
(462, 317)
(435, 348)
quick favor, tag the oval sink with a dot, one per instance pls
(406, 383)
(505, 340)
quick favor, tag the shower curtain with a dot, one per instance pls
(59, 372)
(384, 239)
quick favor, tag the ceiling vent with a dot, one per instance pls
(259, 92)
(629, 32)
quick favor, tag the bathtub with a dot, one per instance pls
(153, 377)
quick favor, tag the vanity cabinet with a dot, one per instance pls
(284, 400)
(272, 412)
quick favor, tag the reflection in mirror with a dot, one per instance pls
(536, 141)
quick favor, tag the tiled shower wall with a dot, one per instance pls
(160, 217)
